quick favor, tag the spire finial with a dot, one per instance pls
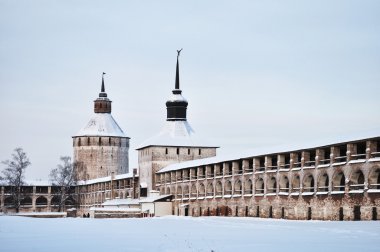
(177, 71)
(103, 89)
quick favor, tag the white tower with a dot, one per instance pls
(101, 147)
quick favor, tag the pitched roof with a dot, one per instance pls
(101, 124)
(175, 133)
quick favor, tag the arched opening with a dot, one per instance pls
(210, 189)
(228, 188)
(272, 185)
(201, 190)
(308, 185)
(323, 183)
(339, 181)
(219, 188)
(357, 181)
(284, 184)
(69, 201)
(248, 187)
(296, 183)
(27, 201)
(193, 190)
(238, 187)
(179, 191)
(55, 201)
(186, 191)
(168, 190)
(374, 179)
(8, 202)
(41, 201)
(259, 188)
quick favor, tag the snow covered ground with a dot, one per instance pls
(185, 234)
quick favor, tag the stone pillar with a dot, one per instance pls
(49, 199)
(34, 197)
(2, 198)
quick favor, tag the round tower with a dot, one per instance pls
(101, 147)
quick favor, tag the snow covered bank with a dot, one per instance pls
(186, 234)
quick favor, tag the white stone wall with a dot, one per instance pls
(100, 156)
(153, 158)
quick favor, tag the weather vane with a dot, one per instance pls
(179, 51)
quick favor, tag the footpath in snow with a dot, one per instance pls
(179, 234)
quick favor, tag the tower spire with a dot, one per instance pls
(177, 105)
(176, 88)
(103, 90)
(102, 103)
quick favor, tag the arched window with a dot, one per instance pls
(219, 188)
(358, 181)
(210, 189)
(272, 185)
(259, 186)
(179, 191)
(193, 190)
(339, 181)
(296, 183)
(201, 190)
(227, 188)
(186, 191)
(238, 187)
(8, 202)
(41, 201)
(248, 187)
(284, 184)
(323, 183)
(27, 201)
(308, 185)
(374, 179)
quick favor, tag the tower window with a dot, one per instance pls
(79, 142)
(88, 141)
(199, 151)
(109, 141)
(100, 141)
(177, 151)
(166, 151)
(188, 151)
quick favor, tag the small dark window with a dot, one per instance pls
(360, 148)
(166, 151)
(309, 213)
(357, 213)
(188, 151)
(177, 151)
(342, 150)
(109, 141)
(79, 142)
(88, 141)
(100, 141)
(270, 212)
(200, 151)
(257, 211)
(282, 213)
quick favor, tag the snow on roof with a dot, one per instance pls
(272, 150)
(38, 182)
(177, 97)
(101, 124)
(120, 202)
(105, 179)
(175, 133)
(154, 198)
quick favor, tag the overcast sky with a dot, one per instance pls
(255, 73)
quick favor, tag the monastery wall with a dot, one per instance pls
(338, 182)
